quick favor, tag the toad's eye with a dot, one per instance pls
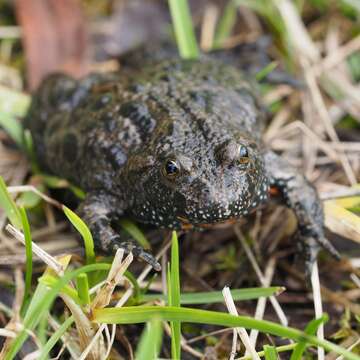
(171, 168)
(243, 154)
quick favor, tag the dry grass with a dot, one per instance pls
(305, 129)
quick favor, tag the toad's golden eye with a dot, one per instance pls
(243, 154)
(171, 168)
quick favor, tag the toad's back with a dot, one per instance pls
(86, 130)
(171, 143)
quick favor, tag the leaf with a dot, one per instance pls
(342, 221)
(216, 296)
(135, 232)
(13, 103)
(150, 341)
(8, 204)
(82, 285)
(264, 72)
(51, 281)
(310, 329)
(13, 128)
(55, 337)
(174, 296)
(226, 24)
(29, 259)
(140, 314)
(42, 300)
(59, 183)
(84, 232)
(29, 199)
(270, 352)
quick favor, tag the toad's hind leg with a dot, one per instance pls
(303, 199)
(97, 210)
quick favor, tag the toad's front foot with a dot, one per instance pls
(302, 198)
(137, 251)
(97, 211)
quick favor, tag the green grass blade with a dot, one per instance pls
(29, 199)
(264, 72)
(42, 329)
(168, 282)
(13, 104)
(29, 259)
(270, 352)
(41, 302)
(82, 285)
(9, 206)
(140, 314)
(174, 298)
(150, 341)
(310, 329)
(134, 283)
(184, 31)
(269, 12)
(226, 24)
(84, 232)
(135, 232)
(29, 148)
(175, 270)
(51, 281)
(55, 338)
(13, 128)
(279, 349)
(59, 183)
(216, 296)
(32, 317)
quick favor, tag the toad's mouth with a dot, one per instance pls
(187, 225)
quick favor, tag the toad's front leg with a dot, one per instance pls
(98, 210)
(303, 199)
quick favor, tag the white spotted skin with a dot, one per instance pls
(115, 134)
(198, 114)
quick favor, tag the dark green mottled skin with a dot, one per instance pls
(113, 135)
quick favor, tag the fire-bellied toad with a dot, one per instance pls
(171, 143)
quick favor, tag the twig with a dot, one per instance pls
(260, 276)
(325, 117)
(315, 282)
(233, 345)
(339, 194)
(240, 330)
(31, 188)
(104, 295)
(10, 32)
(355, 279)
(357, 342)
(261, 303)
(8, 333)
(298, 34)
(336, 57)
(298, 125)
(208, 25)
(204, 336)
(43, 255)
